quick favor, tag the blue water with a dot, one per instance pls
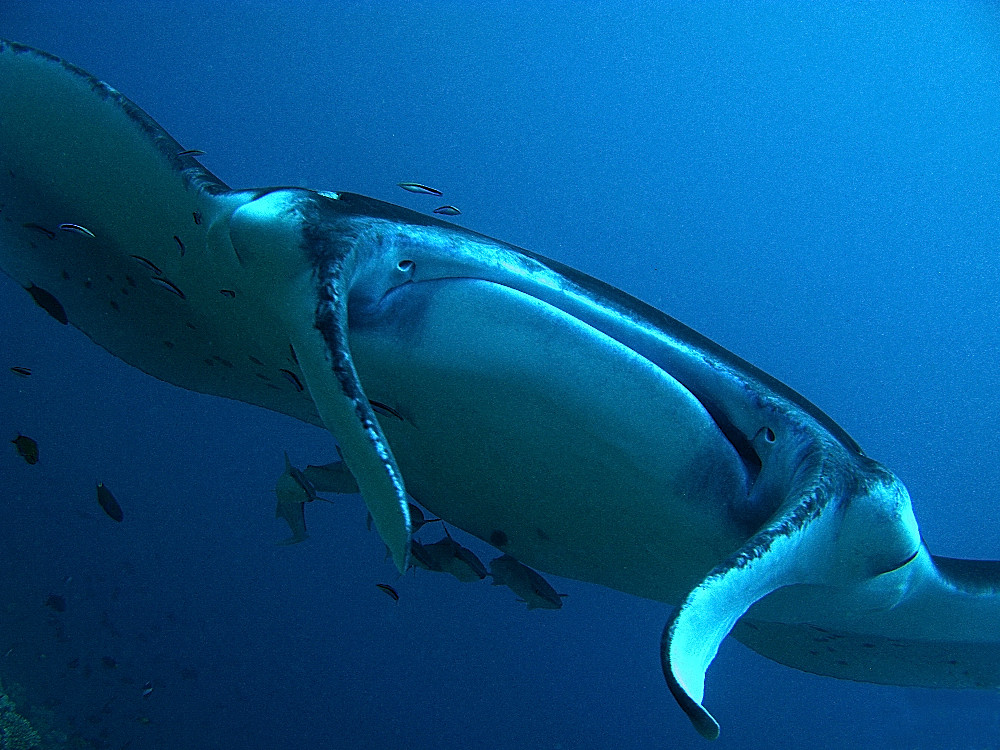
(812, 185)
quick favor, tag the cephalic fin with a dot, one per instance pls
(772, 558)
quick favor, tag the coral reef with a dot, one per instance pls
(15, 731)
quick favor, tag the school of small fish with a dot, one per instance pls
(84, 664)
(297, 487)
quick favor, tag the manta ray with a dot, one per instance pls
(573, 427)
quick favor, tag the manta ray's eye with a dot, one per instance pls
(406, 266)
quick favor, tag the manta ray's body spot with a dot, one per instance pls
(498, 539)
(114, 305)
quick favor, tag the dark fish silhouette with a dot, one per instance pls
(22, 371)
(107, 501)
(448, 556)
(422, 558)
(332, 477)
(26, 448)
(534, 590)
(48, 302)
(168, 285)
(293, 491)
(148, 264)
(447, 210)
(389, 590)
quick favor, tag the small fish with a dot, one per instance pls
(191, 152)
(293, 491)
(386, 411)
(389, 590)
(448, 556)
(533, 590)
(197, 216)
(168, 285)
(147, 689)
(423, 558)
(149, 264)
(332, 477)
(228, 293)
(107, 501)
(447, 210)
(48, 302)
(179, 244)
(77, 229)
(292, 378)
(41, 230)
(56, 602)
(26, 448)
(416, 187)
(22, 371)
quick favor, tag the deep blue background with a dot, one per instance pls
(812, 185)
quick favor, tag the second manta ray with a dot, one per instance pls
(575, 428)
